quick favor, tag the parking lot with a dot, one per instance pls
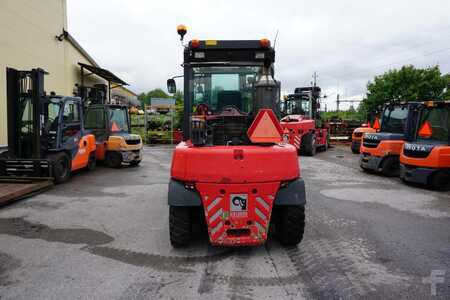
(105, 235)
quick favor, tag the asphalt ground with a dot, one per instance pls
(104, 235)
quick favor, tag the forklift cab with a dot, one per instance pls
(303, 102)
(105, 120)
(380, 151)
(426, 158)
(111, 126)
(295, 104)
(63, 122)
(226, 83)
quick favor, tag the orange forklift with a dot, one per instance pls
(426, 158)
(380, 151)
(46, 136)
(358, 133)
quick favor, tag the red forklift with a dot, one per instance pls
(301, 121)
(46, 136)
(232, 165)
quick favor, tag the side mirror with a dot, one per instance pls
(171, 86)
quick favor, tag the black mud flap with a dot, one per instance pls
(179, 195)
(293, 194)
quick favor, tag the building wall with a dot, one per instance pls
(27, 40)
(73, 71)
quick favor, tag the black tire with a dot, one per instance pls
(366, 170)
(92, 162)
(355, 151)
(291, 225)
(180, 226)
(310, 144)
(440, 181)
(135, 163)
(390, 167)
(61, 167)
(113, 159)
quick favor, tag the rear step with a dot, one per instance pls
(238, 232)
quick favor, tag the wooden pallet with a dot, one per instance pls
(18, 189)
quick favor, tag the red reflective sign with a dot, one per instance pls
(265, 128)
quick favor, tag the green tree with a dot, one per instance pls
(145, 98)
(406, 84)
(178, 109)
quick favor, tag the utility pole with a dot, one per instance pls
(311, 97)
(337, 103)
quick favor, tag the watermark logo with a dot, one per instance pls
(436, 277)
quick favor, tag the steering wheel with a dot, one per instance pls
(202, 109)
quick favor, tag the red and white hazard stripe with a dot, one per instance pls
(297, 141)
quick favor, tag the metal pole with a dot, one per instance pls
(171, 127)
(146, 123)
(337, 102)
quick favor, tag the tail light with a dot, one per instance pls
(195, 43)
(265, 43)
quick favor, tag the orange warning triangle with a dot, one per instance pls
(114, 127)
(376, 124)
(264, 128)
(426, 131)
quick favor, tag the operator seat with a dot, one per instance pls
(225, 98)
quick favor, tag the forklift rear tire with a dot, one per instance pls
(310, 144)
(114, 159)
(390, 167)
(61, 167)
(291, 225)
(92, 163)
(355, 151)
(180, 226)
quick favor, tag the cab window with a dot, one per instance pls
(394, 119)
(71, 112)
(95, 119)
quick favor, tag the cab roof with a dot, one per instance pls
(228, 44)
(229, 51)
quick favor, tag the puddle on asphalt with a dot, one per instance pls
(403, 200)
(28, 230)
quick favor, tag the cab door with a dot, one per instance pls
(72, 136)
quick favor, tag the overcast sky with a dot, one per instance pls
(347, 42)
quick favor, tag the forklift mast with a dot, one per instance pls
(25, 90)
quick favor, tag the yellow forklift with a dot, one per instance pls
(110, 123)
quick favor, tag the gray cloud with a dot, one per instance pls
(346, 42)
